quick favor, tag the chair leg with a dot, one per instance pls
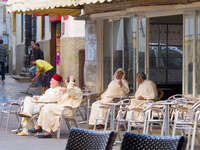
(148, 123)
(175, 120)
(145, 122)
(95, 124)
(81, 114)
(117, 129)
(194, 131)
(58, 131)
(1, 119)
(189, 140)
(8, 119)
(67, 123)
(107, 118)
(75, 123)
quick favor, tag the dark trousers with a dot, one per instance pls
(47, 78)
(2, 64)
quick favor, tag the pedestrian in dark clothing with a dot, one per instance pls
(37, 52)
(2, 59)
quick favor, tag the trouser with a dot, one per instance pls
(30, 108)
(47, 78)
(33, 71)
(2, 64)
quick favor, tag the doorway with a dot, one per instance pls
(166, 53)
(55, 42)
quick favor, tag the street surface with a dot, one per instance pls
(12, 90)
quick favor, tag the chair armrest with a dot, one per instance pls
(70, 107)
(11, 103)
(136, 109)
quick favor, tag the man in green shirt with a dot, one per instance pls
(46, 68)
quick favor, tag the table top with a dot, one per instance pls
(120, 97)
(45, 102)
(89, 93)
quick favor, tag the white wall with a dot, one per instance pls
(18, 29)
(73, 28)
(47, 28)
(37, 28)
(1, 21)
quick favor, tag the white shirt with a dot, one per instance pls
(51, 95)
(147, 89)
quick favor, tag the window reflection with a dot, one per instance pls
(188, 63)
(107, 53)
(198, 55)
(165, 53)
(119, 49)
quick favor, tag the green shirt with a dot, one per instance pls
(43, 64)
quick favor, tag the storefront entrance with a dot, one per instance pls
(150, 45)
(166, 53)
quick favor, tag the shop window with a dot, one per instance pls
(107, 53)
(188, 46)
(165, 53)
(43, 27)
(198, 55)
(119, 49)
(142, 45)
(118, 45)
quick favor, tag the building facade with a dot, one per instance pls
(160, 38)
(60, 38)
(4, 28)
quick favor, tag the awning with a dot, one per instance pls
(52, 7)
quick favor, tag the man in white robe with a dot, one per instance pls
(30, 107)
(49, 118)
(147, 90)
(117, 87)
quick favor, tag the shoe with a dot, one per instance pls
(100, 126)
(33, 130)
(21, 134)
(15, 131)
(34, 86)
(24, 115)
(44, 135)
(91, 127)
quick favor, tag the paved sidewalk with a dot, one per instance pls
(11, 90)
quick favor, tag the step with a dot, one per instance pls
(21, 78)
(25, 74)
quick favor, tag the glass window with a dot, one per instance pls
(142, 45)
(107, 53)
(130, 50)
(118, 45)
(188, 62)
(119, 49)
(198, 55)
(165, 53)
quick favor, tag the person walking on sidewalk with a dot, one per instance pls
(2, 59)
(46, 68)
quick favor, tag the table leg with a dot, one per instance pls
(112, 121)
(165, 130)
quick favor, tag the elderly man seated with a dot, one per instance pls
(117, 87)
(49, 118)
(30, 107)
(147, 90)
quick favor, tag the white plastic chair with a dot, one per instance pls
(67, 120)
(10, 108)
(186, 120)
